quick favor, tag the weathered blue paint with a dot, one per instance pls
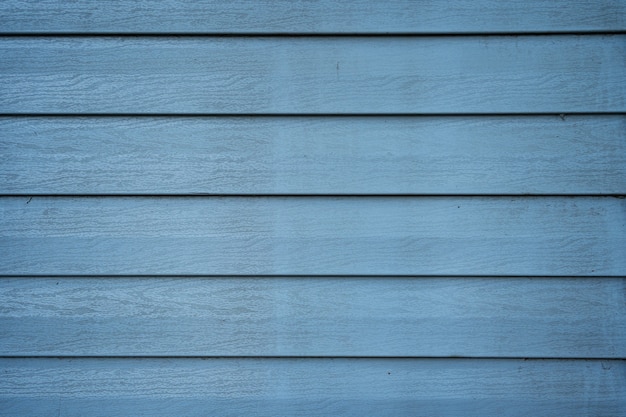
(312, 386)
(544, 236)
(312, 17)
(314, 316)
(314, 155)
(306, 75)
(350, 299)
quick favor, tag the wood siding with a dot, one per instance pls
(553, 236)
(312, 17)
(279, 208)
(477, 155)
(314, 316)
(313, 387)
(313, 75)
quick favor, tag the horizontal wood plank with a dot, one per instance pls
(340, 316)
(311, 17)
(312, 236)
(313, 155)
(316, 387)
(397, 75)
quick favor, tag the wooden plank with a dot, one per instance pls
(311, 17)
(311, 236)
(339, 316)
(313, 155)
(191, 75)
(317, 387)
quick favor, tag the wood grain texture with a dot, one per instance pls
(311, 17)
(190, 75)
(313, 155)
(317, 387)
(303, 316)
(312, 236)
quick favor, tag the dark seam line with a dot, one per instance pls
(311, 276)
(210, 34)
(562, 115)
(316, 196)
(305, 357)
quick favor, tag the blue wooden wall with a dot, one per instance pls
(321, 208)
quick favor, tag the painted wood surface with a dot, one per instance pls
(313, 155)
(317, 387)
(304, 75)
(312, 305)
(311, 17)
(307, 316)
(313, 236)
